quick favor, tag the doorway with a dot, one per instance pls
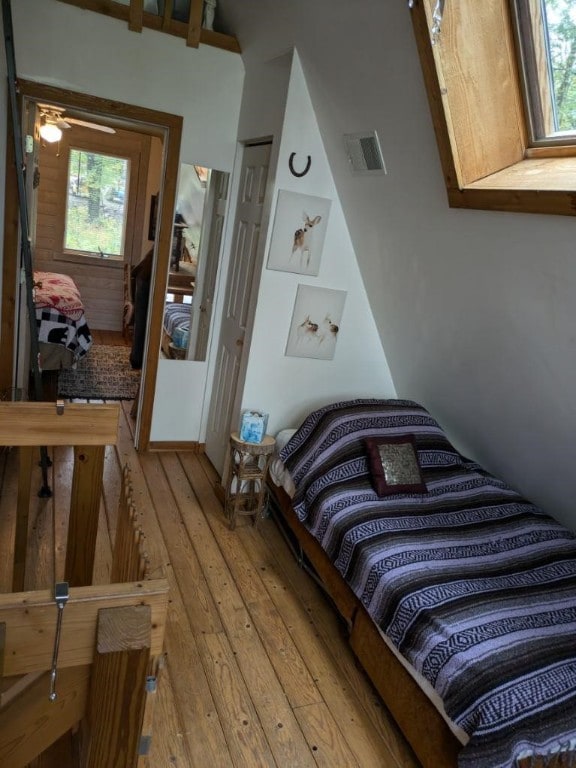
(164, 125)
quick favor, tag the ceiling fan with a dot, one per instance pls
(52, 123)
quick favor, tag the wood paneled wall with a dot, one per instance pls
(100, 282)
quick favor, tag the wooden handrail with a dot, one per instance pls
(34, 424)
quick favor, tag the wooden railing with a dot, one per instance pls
(136, 18)
(103, 662)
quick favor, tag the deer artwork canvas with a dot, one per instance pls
(316, 322)
(298, 233)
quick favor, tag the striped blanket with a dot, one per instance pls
(474, 585)
(176, 316)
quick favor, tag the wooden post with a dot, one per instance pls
(194, 24)
(84, 511)
(167, 18)
(118, 687)
(136, 15)
(25, 461)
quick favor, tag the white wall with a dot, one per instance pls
(61, 45)
(288, 387)
(475, 309)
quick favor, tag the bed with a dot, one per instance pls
(459, 594)
(63, 333)
(176, 328)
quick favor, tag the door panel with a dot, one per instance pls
(233, 344)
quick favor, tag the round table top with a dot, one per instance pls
(266, 445)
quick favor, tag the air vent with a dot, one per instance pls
(364, 154)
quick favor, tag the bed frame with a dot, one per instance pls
(423, 726)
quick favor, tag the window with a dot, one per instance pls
(546, 35)
(96, 204)
(496, 153)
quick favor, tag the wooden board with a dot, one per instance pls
(31, 621)
(33, 424)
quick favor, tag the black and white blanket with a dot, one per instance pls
(57, 328)
(474, 585)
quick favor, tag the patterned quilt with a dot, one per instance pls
(474, 585)
(58, 292)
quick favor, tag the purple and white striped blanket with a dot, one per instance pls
(474, 585)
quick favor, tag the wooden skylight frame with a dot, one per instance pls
(475, 94)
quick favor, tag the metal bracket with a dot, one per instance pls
(61, 595)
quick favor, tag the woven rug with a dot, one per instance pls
(104, 374)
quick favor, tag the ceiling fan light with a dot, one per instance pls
(50, 132)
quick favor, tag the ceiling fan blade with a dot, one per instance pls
(94, 126)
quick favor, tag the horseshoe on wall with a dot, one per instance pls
(299, 173)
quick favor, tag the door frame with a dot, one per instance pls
(170, 127)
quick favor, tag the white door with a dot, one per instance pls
(233, 344)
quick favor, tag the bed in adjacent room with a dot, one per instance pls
(459, 594)
(176, 328)
(63, 332)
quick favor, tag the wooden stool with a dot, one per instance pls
(246, 478)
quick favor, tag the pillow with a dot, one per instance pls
(393, 465)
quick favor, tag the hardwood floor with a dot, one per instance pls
(258, 671)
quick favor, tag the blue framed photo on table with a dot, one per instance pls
(253, 426)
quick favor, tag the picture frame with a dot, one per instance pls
(316, 322)
(298, 233)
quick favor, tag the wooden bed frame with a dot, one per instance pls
(425, 729)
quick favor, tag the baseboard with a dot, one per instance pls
(176, 445)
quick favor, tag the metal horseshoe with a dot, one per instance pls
(299, 173)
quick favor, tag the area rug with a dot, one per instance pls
(104, 374)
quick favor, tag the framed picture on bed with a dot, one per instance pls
(298, 233)
(316, 321)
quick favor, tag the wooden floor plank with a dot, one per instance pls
(267, 693)
(202, 612)
(184, 673)
(327, 738)
(247, 744)
(168, 747)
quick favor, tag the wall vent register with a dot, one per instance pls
(364, 153)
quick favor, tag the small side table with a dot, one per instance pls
(246, 478)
